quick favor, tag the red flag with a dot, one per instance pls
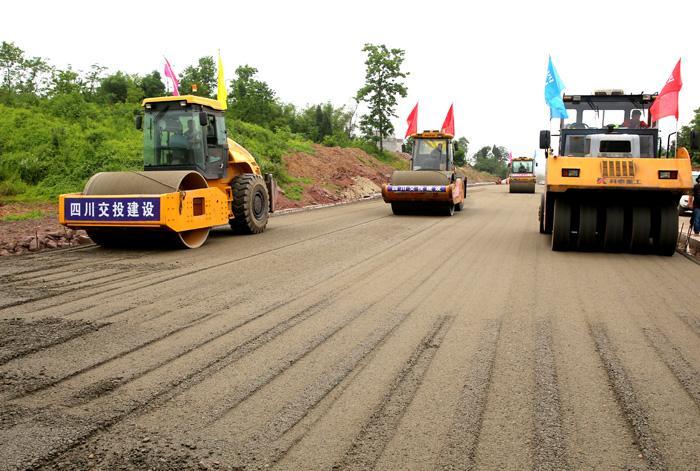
(666, 104)
(448, 127)
(412, 122)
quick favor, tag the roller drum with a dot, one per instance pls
(145, 183)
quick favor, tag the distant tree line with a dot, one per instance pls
(491, 159)
(28, 80)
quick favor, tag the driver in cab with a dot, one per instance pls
(635, 122)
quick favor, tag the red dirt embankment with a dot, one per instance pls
(334, 174)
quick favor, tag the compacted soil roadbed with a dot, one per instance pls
(350, 338)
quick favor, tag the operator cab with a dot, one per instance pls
(432, 150)
(522, 166)
(607, 124)
(184, 133)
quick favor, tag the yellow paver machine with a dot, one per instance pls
(433, 183)
(194, 178)
(521, 177)
(610, 188)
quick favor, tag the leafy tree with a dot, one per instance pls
(20, 74)
(461, 154)
(252, 100)
(115, 88)
(382, 86)
(684, 137)
(203, 75)
(152, 84)
(93, 78)
(66, 82)
(492, 160)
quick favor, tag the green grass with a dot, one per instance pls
(34, 214)
(294, 192)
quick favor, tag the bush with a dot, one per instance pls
(12, 188)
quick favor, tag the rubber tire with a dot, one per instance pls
(668, 230)
(614, 235)
(249, 194)
(641, 229)
(541, 215)
(588, 216)
(561, 230)
(399, 209)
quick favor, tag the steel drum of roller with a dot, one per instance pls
(145, 183)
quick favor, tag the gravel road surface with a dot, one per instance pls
(349, 338)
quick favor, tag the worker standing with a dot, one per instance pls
(695, 204)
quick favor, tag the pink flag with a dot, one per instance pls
(173, 78)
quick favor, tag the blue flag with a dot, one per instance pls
(553, 89)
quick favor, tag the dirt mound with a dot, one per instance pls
(334, 174)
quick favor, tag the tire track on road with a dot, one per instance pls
(549, 434)
(636, 416)
(368, 445)
(687, 376)
(459, 449)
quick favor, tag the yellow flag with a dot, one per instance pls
(221, 94)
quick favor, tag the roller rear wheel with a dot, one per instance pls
(641, 229)
(613, 239)
(561, 231)
(541, 216)
(667, 230)
(588, 216)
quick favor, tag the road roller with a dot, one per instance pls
(521, 177)
(433, 183)
(609, 187)
(194, 178)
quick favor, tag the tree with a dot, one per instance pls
(491, 159)
(203, 75)
(152, 84)
(684, 137)
(461, 154)
(20, 74)
(93, 79)
(382, 86)
(65, 82)
(252, 100)
(115, 88)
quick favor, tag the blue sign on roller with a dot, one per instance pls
(417, 188)
(112, 209)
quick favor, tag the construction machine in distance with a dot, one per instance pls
(609, 188)
(433, 183)
(194, 178)
(521, 176)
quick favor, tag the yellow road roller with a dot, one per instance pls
(194, 178)
(433, 183)
(521, 177)
(609, 187)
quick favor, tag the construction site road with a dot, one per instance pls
(350, 338)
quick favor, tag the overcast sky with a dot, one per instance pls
(489, 58)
